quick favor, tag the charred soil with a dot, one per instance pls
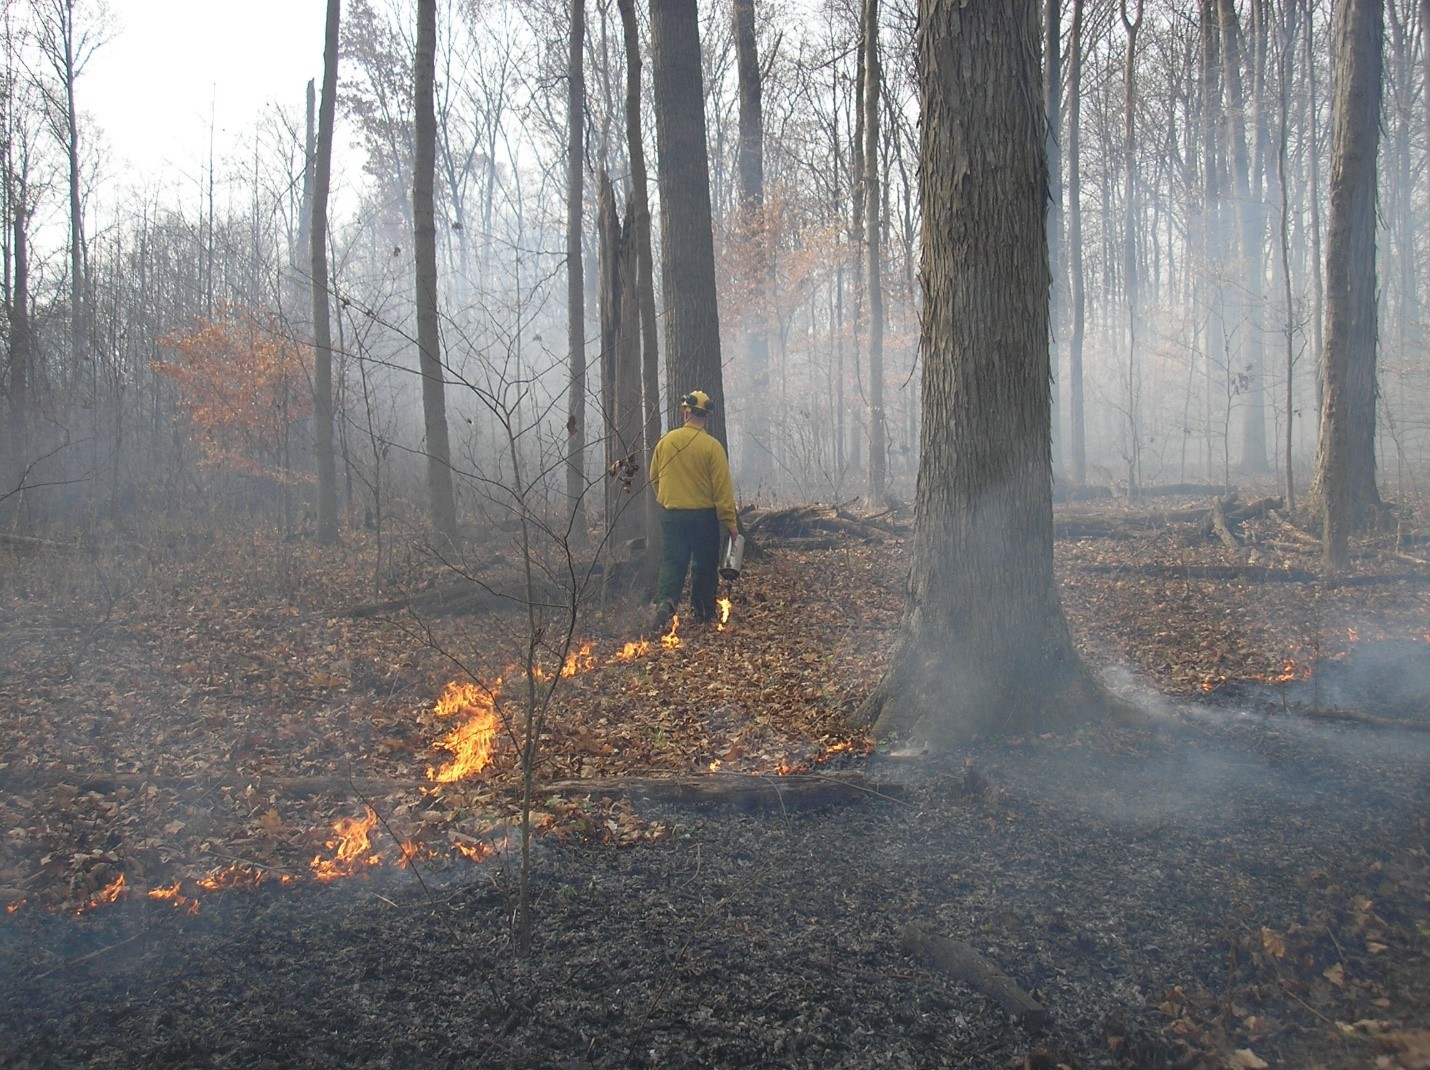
(1242, 882)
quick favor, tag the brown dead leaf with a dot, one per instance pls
(1273, 942)
(1246, 1059)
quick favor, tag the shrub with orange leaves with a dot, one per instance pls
(242, 386)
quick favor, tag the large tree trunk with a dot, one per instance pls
(1077, 294)
(1344, 489)
(692, 321)
(442, 501)
(575, 274)
(759, 462)
(984, 646)
(317, 236)
(873, 220)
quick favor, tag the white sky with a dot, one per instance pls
(171, 68)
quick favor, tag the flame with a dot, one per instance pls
(715, 766)
(1352, 636)
(637, 649)
(413, 851)
(1291, 670)
(476, 852)
(15, 907)
(472, 741)
(108, 894)
(724, 604)
(671, 641)
(351, 846)
(579, 661)
(240, 876)
(173, 895)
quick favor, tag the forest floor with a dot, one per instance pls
(1243, 882)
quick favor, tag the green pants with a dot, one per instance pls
(691, 536)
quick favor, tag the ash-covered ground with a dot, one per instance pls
(1227, 889)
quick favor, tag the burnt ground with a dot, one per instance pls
(1245, 882)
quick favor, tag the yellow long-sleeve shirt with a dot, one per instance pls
(689, 470)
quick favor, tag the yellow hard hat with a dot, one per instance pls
(698, 402)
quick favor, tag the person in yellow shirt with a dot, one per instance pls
(691, 478)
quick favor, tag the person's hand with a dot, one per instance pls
(734, 532)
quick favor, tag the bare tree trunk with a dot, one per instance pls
(873, 222)
(1053, 97)
(575, 274)
(620, 370)
(17, 439)
(442, 501)
(1344, 488)
(1287, 51)
(1077, 433)
(692, 321)
(318, 263)
(984, 646)
(1129, 249)
(758, 461)
(644, 272)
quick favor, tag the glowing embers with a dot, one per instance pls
(472, 741)
(351, 846)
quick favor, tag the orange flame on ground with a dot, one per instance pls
(472, 741)
(476, 852)
(15, 907)
(413, 851)
(671, 641)
(637, 649)
(351, 847)
(582, 660)
(1291, 670)
(108, 894)
(173, 895)
(724, 604)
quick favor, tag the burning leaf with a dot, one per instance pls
(351, 847)
(472, 741)
(108, 894)
(582, 660)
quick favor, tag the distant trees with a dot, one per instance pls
(1194, 148)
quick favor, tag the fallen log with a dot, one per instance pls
(1328, 713)
(961, 962)
(1219, 526)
